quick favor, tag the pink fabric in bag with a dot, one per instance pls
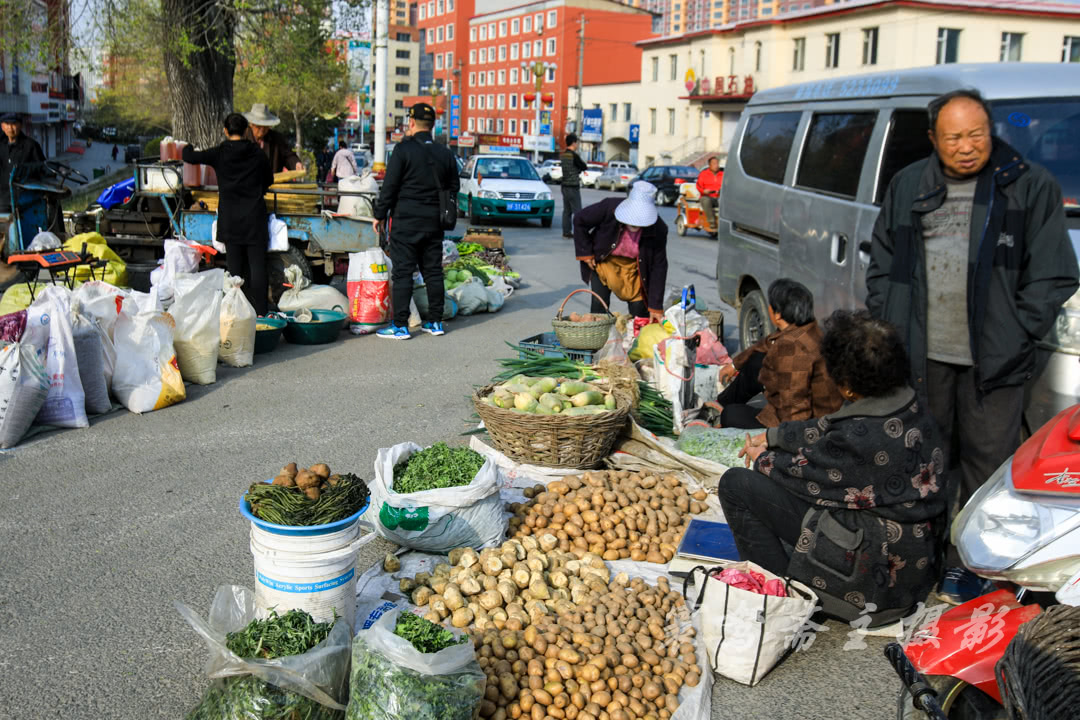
(711, 351)
(751, 581)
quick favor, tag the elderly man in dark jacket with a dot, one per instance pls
(971, 260)
(851, 503)
(622, 247)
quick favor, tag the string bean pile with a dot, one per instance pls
(283, 505)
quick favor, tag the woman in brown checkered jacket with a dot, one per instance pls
(786, 366)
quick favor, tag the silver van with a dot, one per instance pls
(810, 163)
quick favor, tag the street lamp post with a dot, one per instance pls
(539, 69)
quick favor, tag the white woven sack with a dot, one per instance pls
(238, 320)
(197, 313)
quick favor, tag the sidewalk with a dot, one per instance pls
(98, 155)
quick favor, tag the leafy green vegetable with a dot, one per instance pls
(248, 698)
(382, 690)
(473, 265)
(425, 636)
(438, 466)
(720, 445)
(293, 633)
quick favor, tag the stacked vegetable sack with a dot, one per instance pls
(556, 634)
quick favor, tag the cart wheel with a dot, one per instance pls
(680, 225)
(276, 262)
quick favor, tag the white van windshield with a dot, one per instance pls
(1046, 132)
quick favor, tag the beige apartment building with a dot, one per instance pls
(694, 86)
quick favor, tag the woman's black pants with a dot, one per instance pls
(636, 308)
(249, 262)
(762, 516)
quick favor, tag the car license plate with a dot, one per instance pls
(519, 207)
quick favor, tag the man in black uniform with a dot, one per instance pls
(21, 154)
(572, 167)
(410, 196)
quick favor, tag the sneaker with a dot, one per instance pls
(393, 332)
(433, 328)
(960, 585)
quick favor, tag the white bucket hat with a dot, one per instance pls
(639, 207)
(259, 115)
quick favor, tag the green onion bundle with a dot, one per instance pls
(654, 411)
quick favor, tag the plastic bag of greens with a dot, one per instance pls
(720, 445)
(393, 680)
(439, 513)
(310, 685)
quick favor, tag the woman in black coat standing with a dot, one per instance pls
(243, 175)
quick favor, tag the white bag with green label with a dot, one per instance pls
(436, 520)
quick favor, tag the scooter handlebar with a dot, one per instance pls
(923, 697)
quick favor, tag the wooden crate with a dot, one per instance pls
(491, 238)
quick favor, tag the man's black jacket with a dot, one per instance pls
(24, 154)
(410, 194)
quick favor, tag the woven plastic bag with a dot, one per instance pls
(369, 291)
(90, 354)
(66, 404)
(303, 294)
(238, 320)
(441, 519)
(310, 686)
(392, 680)
(99, 301)
(146, 376)
(197, 313)
(23, 388)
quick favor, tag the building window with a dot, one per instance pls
(674, 61)
(502, 28)
(551, 74)
(431, 36)
(551, 46)
(800, 54)
(527, 24)
(500, 101)
(449, 5)
(526, 50)
(438, 61)
(502, 77)
(1012, 45)
(438, 7)
(491, 101)
(402, 54)
(491, 77)
(626, 112)
(472, 124)
(401, 87)
(472, 34)
(472, 102)
(538, 48)
(1070, 51)
(439, 34)
(524, 127)
(483, 55)
(731, 61)
(491, 124)
(404, 37)
(472, 79)
(482, 101)
(483, 32)
(869, 46)
(552, 17)
(491, 31)
(513, 126)
(423, 12)
(514, 48)
(402, 70)
(502, 52)
(450, 31)
(832, 50)
(449, 60)
(513, 101)
(515, 26)
(671, 121)
(614, 112)
(538, 20)
(655, 69)
(757, 56)
(513, 76)
(399, 104)
(472, 57)
(482, 80)
(948, 45)
(652, 121)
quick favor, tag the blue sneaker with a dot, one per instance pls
(433, 328)
(393, 332)
(960, 585)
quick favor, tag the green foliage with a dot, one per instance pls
(152, 148)
(293, 633)
(438, 466)
(425, 636)
(247, 697)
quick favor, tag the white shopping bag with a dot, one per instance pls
(279, 234)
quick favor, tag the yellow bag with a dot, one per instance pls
(17, 297)
(647, 339)
(115, 268)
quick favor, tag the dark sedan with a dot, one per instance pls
(667, 179)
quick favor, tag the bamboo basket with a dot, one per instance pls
(552, 440)
(582, 335)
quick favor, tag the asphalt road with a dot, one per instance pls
(103, 529)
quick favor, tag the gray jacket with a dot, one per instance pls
(1021, 267)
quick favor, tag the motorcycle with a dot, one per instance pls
(1022, 527)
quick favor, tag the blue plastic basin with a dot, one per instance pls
(245, 510)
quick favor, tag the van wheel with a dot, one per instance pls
(680, 225)
(753, 319)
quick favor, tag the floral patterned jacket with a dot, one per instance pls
(873, 472)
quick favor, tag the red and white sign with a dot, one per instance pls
(514, 141)
(466, 141)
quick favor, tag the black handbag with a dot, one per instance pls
(447, 203)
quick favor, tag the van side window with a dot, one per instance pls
(767, 143)
(906, 143)
(835, 147)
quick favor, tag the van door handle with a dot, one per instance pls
(864, 251)
(839, 248)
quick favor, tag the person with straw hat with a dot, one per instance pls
(622, 248)
(277, 149)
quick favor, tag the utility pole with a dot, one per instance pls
(382, 29)
(580, 71)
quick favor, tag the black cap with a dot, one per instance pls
(11, 118)
(422, 111)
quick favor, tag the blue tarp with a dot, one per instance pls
(118, 194)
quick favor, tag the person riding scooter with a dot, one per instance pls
(709, 182)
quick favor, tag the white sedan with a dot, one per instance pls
(503, 187)
(589, 176)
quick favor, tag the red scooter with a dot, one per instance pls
(1021, 528)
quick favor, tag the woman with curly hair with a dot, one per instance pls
(850, 503)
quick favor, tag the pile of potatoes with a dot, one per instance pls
(558, 636)
(615, 514)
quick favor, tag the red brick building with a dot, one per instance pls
(479, 47)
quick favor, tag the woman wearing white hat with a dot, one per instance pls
(277, 149)
(622, 246)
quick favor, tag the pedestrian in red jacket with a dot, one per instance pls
(708, 184)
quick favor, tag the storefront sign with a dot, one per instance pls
(543, 143)
(466, 141)
(499, 149)
(592, 125)
(455, 115)
(510, 141)
(545, 122)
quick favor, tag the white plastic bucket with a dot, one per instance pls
(314, 573)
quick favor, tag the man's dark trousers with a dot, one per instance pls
(571, 203)
(415, 251)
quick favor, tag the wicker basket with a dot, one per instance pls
(581, 441)
(1039, 674)
(582, 335)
